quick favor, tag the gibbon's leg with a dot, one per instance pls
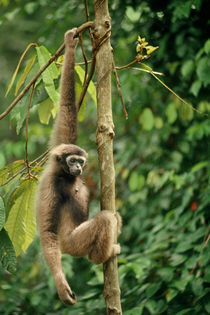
(94, 238)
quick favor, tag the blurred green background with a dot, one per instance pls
(161, 157)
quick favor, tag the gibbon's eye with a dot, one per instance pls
(81, 161)
(72, 160)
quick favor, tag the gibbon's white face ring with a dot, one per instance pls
(75, 164)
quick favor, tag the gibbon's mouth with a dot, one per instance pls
(75, 173)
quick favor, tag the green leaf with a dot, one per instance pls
(136, 181)
(185, 311)
(199, 166)
(2, 160)
(185, 112)
(45, 110)
(171, 294)
(177, 259)
(25, 73)
(180, 284)
(135, 311)
(184, 246)
(18, 66)
(20, 224)
(187, 68)
(133, 181)
(207, 46)
(91, 88)
(9, 170)
(2, 213)
(151, 305)
(147, 119)
(152, 289)
(7, 253)
(133, 15)
(197, 286)
(195, 87)
(207, 307)
(19, 113)
(49, 74)
(171, 113)
(158, 122)
(82, 111)
(166, 273)
(203, 70)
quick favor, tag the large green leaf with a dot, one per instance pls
(49, 74)
(81, 114)
(7, 253)
(45, 110)
(19, 113)
(18, 66)
(20, 224)
(25, 74)
(91, 88)
(9, 170)
(2, 213)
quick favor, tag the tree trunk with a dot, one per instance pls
(104, 139)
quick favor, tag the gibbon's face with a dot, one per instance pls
(72, 164)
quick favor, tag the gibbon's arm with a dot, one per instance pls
(65, 127)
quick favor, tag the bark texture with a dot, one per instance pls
(104, 139)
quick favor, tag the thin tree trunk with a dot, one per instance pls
(104, 138)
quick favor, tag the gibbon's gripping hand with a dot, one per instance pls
(70, 40)
(65, 293)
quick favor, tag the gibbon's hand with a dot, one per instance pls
(70, 40)
(65, 293)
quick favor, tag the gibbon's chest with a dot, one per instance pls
(74, 199)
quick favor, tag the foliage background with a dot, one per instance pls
(161, 158)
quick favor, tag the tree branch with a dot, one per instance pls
(33, 81)
(104, 139)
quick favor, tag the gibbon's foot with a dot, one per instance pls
(119, 223)
(70, 39)
(116, 249)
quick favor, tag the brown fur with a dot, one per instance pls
(62, 199)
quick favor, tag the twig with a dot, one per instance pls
(43, 156)
(119, 89)
(179, 98)
(87, 19)
(144, 70)
(27, 119)
(128, 65)
(86, 10)
(85, 58)
(92, 69)
(86, 83)
(60, 49)
(76, 64)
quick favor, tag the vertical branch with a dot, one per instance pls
(104, 139)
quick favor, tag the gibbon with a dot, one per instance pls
(62, 198)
